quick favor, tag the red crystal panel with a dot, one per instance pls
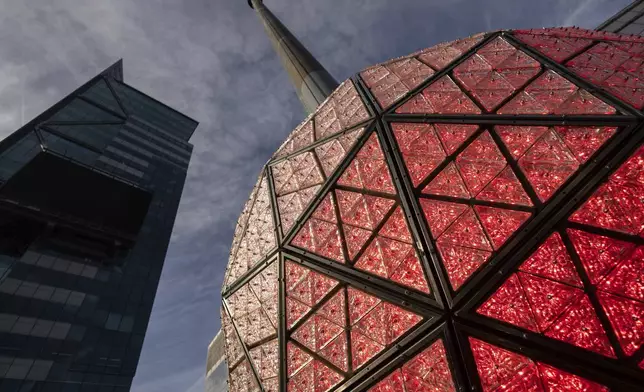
(442, 54)
(391, 81)
(343, 109)
(241, 379)
(576, 32)
(266, 360)
(505, 188)
(617, 204)
(296, 173)
(369, 170)
(420, 148)
(301, 137)
(503, 370)
(292, 205)
(544, 297)
(499, 223)
(617, 67)
(552, 261)
(480, 162)
(548, 157)
(547, 164)
(519, 138)
(599, 254)
(551, 93)
(448, 183)
(254, 235)
(510, 304)
(314, 377)
(362, 210)
(320, 233)
(627, 279)
(295, 359)
(375, 324)
(427, 371)
(234, 350)
(580, 326)
(393, 382)
(391, 255)
(584, 141)
(334, 151)
(453, 135)
(297, 179)
(324, 333)
(627, 319)
(495, 71)
(482, 171)
(360, 215)
(441, 97)
(557, 48)
(304, 289)
(253, 306)
(460, 238)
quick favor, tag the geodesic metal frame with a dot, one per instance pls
(449, 315)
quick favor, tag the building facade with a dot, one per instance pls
(629, 20)
(89, 192)
(216, 380)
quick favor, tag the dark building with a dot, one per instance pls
(89, 191)
(216, 368)
(629, 20)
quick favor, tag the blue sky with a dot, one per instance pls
(211, 60)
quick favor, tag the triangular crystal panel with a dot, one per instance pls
(443, 96)
(448, 183)
(611, 65)
(342, 110)
(392, 255)
(391, 81)
(326, 337)
(557, 48)
(503, 370)
(420, 148)
(616, 205)
(495, 71)
(427, 371)
(331, 153)
(627, 319)
(551, 93)
(369, 170)
(544, 297)
(441, 55)
(544, 154)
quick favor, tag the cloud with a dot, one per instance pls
(211, 60)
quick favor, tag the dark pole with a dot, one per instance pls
(312, 82)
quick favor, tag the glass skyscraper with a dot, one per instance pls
(89, 191)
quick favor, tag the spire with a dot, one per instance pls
(311, 81)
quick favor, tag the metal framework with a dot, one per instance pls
(448, 315)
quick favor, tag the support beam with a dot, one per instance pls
(312, 82)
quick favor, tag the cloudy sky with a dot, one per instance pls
(211, 60)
